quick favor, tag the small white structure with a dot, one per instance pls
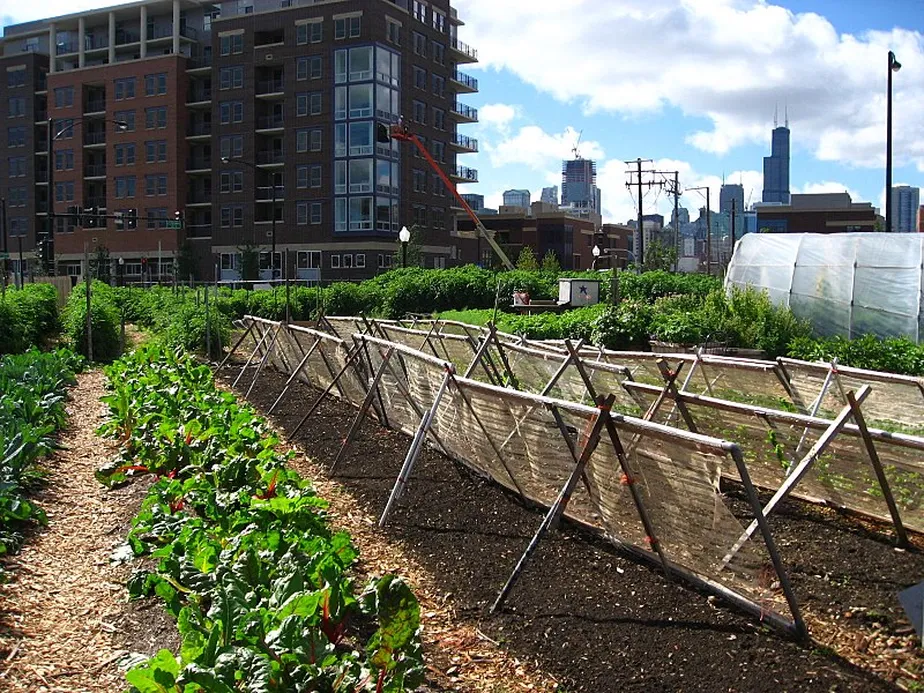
(845, 283)
(578, 292)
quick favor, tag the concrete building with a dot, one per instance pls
(823, 213)
(288, 92)
(906, 203)
(729, 193)
(776, 167)
(580, 195)
(517, 198)
(571, 238)
(550, 195)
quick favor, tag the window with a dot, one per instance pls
(16, 78)
(308, 104)
(420, 112)
(361, 101)
(335, 262)
(315, 140)
(308, 259)
(361, 138)
(340, 214)
(394, 31)
(308, 139)
(16, 197)
(439, 21)
(315, 212)
(341, 58)
(439, 52)
(420, 11)
(340, 177)
(231, 112)
(301, 213)
(420, 44)
(360, 175)
(231, 77)
(315, 179)
(124, 187)
(232, 216)
(231, 146)
(155, 218)
(420, 181)
(312, 32)
(360, 260)
(347, 27)
(301, 177)
(439, 85)
(155, 151)
(126, 117)
(346, 261)
(64, 192)
(232, 181)
(16, 107)
(64, 160)
(361, 64)
(125, 154)
(124, 88)
(438, 214)
(420, 77)
(64, 97)
(308, 67)
(156, 84)
(340, 103)
(385, 261)
(419, 215)
(16, 137)
(439, 119)
(360, 213)
(18, 227)
(155, 118)
(155, 185)
(232, 45)
(438, 149)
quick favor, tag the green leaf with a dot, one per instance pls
(157, 675)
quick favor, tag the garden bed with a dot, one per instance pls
(598, 621)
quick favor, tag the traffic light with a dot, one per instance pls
(46, 251)
(131, 221)
(90, 217)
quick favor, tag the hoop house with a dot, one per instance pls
(846, 284)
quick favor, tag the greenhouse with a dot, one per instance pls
(846, 284)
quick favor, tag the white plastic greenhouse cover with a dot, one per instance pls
(846, 284)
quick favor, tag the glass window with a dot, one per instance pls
(316, 140)
(340, 139)
(383, 176)
(125, 187)
(361, 63)
(16, 78)
(340, 66)
(315, 176)
(16, 107)
(301, 213)
(155, 118)
(383, 214)
(64, 97)
(361, 101)
(335, 262)
(361, 138)
(156, 84)
(124, 88)
(360, 213)
(340, 103)
(340, 214)
(315, 212)
(360, 175)
(340, 177)
(231, 112)
(126, 117)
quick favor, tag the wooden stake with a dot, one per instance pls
(294, 375)
(264, 360)
(253, 353)
(234, 348)
(351, 356)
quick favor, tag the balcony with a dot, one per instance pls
(199, 62)
(189, 32)
(94, 138)
(464, 113)
(95, 106)
(199, 130)
(198, 163)
(66, 47)
(265, 193)
(199, 197)
(464, 83)
(463, 52)
(464, 144)
(270, 86)
(125, 37)
(160, 32)
(41, 117)
(41, 176)
(95, 43)
(95, 202)
(270, 158)
(275, 122)
(198, 96)
(198, 230)
(94, 171)
(463, 174)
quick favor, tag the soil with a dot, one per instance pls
(593, 619)
(65, 623)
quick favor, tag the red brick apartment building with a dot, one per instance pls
(146, 99)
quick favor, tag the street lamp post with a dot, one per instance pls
(404, 236)
(49, 145)
(226, 160)
(894, 66)
(596, 253)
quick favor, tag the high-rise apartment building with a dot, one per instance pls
(579, 192)
(906, 202)
(728, 193)
(776, 167)
(550, 195)
(250, 123)
(517, 198)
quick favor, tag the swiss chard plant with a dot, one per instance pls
(240, 551)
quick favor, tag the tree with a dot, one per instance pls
(100, 267)
(250, 261)
(550, 262)
(186, 261)
(659, 256)
(527, 260)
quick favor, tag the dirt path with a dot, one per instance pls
(62, 613)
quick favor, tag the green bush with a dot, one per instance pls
(28, 317)
(895, 354)
(625, 326)
(184, 325)
(104, 320)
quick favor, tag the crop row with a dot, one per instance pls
(28, 317)
(33, 389)
(241, 552)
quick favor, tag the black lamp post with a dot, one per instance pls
(894, 66)
(404, 236)
(226, 160)
(596, 253)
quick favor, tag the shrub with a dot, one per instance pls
(625, 326)
(104, 320)
(185, 326)
(895, 354)
(29, 317)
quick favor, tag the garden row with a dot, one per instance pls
(33, 388)
(28, 317)
(241, 552)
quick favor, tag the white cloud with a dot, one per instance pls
(828, 187)
(534, 147)
(19, 12)
(498, 115)
(730, 61)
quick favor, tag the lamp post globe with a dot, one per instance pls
(404, 236)
(596, 253)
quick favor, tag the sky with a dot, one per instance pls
(691, 84)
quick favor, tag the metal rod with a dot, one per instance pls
(234, 348)
(512, 379)
(351, 356)
(816, 405)
(263, 361)
(414, 451)
(294, 375)
(252, 354)
(561, 502)
(900, 534)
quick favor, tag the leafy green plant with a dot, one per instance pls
(895, 354)
(29, 317)
(240, 550)
(104, 318)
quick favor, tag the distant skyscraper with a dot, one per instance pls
(905, 204)
(550, 195)
(476, 202)
(516, 198)
(776, 166)
(729, 192)
(579, 189)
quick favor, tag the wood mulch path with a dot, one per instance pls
(65, 623)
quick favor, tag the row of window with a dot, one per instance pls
(365, 63)
(437, 18)
(437, 188)
(154, 85)
(16, 107)
(438, 115)
(311, 259)
(366, 214)
(16, 166)
(155, 118)
(437, 50)
(16, 136)
(437, 83)
(155, 152)
(15, 78)
(232, 216)
(16, 197)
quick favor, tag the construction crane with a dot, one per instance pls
(577, 144)
(402, 133)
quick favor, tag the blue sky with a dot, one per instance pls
(691, 84)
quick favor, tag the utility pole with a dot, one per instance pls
(676, 219)
(639, 172)
(50, 206)
(734, 209)
(86, 261)
(708, 234)
(22, 271)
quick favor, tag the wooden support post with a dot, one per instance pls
(512, 378)
(252, 354)
(266, 357)
(367, 402)
(477, 359)
(900, 535)
(816, 405)
(378, 404)
(799, 471)
(352, 355)
(572, 448)
(240, 341)
(294, 375)
(414, 451)
(670, 387)
(561, 502)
